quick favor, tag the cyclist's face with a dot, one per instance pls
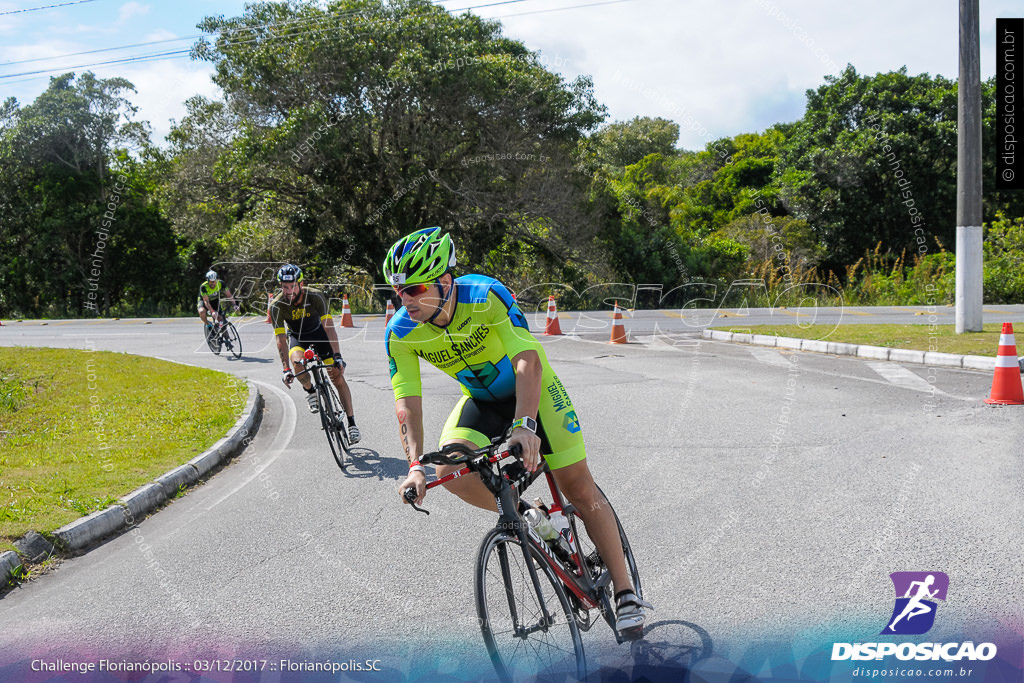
(421, 307)
(292, 291)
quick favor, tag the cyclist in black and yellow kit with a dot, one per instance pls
(210, 293)
(471, 329)
(302, 320)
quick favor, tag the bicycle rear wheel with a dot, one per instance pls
(234, 342)
(520, 643)
(594, 561)
(331, 418)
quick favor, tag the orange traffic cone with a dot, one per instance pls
(551, 326)
(346, 312)
(618, 328)
(389, 313)
(270, 297)
(1006, 384)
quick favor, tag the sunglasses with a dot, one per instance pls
(414, 290)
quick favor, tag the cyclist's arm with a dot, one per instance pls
(529, 375)
(280, 335)
(282, 349)
(409, 411)
(229, 296)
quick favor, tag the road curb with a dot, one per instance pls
(946, 360)
(84, 532)
(10, 566)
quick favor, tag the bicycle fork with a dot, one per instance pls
(508, 504)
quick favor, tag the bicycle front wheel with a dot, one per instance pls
(523, 643)
(210, 334)
(331, 417)
(234, 342)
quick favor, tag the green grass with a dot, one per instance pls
(942, 338)
(79, 429)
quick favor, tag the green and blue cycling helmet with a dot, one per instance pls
(421, 257)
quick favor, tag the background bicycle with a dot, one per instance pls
(332, 414)
(222, 334)
(533, 596)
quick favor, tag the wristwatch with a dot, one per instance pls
(525, 422)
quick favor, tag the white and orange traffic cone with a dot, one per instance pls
(1006, 385)
(618, 328)
(346, 312)
(270, 297)
(551, 326)
(389, 312)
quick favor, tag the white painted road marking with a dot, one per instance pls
(900, 376)
(769, 357)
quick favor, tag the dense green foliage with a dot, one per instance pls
(346, 124)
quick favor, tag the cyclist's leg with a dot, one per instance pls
(560, 425)
(202, 312)
(295, 351)
(472, 424)
(336, 372)
(577, 485)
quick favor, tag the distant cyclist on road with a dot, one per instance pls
(471, 329)
(209, 297)
(302, 321)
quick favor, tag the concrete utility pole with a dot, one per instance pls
(968, 176)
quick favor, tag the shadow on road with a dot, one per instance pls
(671, 650)
(366, 463)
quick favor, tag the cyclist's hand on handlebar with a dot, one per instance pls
(288, 377)
(530, 445)
(417, 481)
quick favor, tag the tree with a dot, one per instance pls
(70, 215)
(624, 143)
(361, 120)
(870, 153)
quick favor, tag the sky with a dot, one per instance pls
(716, 67)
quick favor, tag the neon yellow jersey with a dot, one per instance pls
(476, 348)
(211, 293)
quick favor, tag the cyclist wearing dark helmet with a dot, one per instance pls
(301, 320)
(471, 329)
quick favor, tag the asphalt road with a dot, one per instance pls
(767, 495)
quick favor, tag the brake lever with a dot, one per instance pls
(410, 496)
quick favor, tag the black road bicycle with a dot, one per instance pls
(333, 419)
(532, 598)
(221, 334)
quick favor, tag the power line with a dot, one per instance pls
(559, 9)
(36, 9)
(230, 42)
(228, 32)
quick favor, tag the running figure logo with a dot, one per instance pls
(914, 612)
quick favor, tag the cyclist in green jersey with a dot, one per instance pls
(302, 320)
(210, 292)
(471, 329)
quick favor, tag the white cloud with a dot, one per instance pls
(159, 34)
(740, 66)
(163, 88)
(130, 10)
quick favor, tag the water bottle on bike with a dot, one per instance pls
(547, 529)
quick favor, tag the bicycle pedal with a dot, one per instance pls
(630, 634)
